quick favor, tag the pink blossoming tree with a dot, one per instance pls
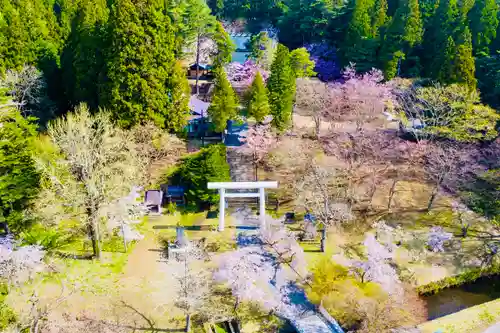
(242, 75)
(263, 267)
(259, 140)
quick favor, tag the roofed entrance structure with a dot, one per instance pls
(261, 194)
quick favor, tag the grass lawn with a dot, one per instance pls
(139, 278)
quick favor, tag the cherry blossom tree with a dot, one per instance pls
(437, 238)
(317, 99)
(406, 160)
(259, 140)
(123, 213)
(242, 75)
(248, 272)
(101, 158)
(262, 268)
(463, 215)
(377, 266)
(366, 95)
(28, 89)
(19, 263)
(361, 161)
(193, 285)
(445, 164)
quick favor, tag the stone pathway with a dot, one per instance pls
(241, 165)
(294, 306)
(493, 329)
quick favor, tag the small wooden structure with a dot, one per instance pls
(174, 194)
(204, 70)
(153, 200)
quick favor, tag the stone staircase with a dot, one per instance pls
(241, 165)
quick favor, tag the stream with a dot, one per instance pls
(452, 300)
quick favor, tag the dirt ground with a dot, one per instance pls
(121, 288)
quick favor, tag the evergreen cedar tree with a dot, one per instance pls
(144, 81)
(224, 105)
(225, 46)
(67, 41)
(19, 181)
(281, 87)
(83, 59)
(258, 102)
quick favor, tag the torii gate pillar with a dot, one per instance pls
(261, 186)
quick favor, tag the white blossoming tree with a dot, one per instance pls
(377, 267)
(437, 239)
(19, 263)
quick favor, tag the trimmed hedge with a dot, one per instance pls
(196, 170)
(469, 276)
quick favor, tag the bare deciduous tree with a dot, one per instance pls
(319, 100)
(29, 92)
(444, 165)
(155, 146)
(100, 157)
(322, 190)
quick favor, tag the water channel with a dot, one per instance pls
(452, 300)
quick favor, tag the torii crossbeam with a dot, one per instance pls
(261, 186)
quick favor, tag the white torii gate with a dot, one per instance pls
(261, 186)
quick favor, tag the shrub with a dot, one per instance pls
(363, 306)
(208, 165)
(171, 208)
(47, 238)
(7, 315)
(19, 178)
(469, 276)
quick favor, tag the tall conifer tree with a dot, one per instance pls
(379, 16)
(224, 102)
(483, 23)
(141, 64)
(360, 45)
(225, 46)
(413, 29)
(464, 66)
(82, 59)
(446, 62)
(444, 24)
(258, 102)
(281, 86)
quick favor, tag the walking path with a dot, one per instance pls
(493, 329)
(294, 305)
(241, 165)
(148, 284)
